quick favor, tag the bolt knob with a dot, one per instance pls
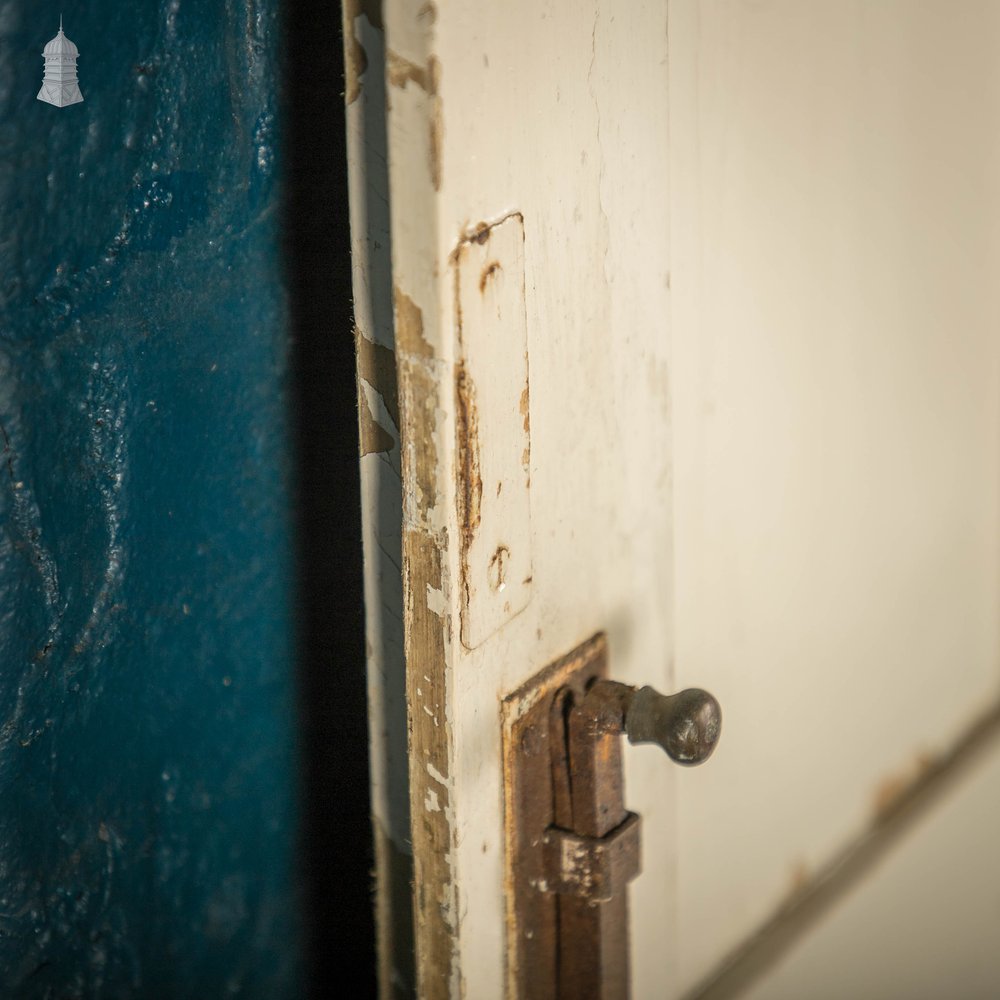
(686, 724)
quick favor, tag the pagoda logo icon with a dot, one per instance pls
(60, 86)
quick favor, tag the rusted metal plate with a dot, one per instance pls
(595, 965)
(594, 935)
(595, 869)
(491, 395)
(530, 797)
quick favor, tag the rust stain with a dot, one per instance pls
(497, 573)
(436, 122)
(799, 879)
(480, 233)
(529, 808)
(410, 326)
(894, 790)
(524, 407)
(888, 793)
(491, 268)
(470, 487)
(377, 366)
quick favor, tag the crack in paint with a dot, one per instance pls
(600, 147)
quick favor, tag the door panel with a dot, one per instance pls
(836, 385)
(927, 921)
(761, 426)
(529, 110)
(147, 660)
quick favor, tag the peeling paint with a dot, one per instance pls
(377, 366)
(355, 57)
(402, 71)
(437, 603)
(430, 745)
(426, 640)
(374, 438)
(426, 406)
(420, 452)
(410, 326)
(437, 775)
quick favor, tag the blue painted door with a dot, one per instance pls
(149, 825)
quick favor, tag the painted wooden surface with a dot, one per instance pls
(764, 424)
(381, 490)
(835, 178)
(530, 109)
(493, 457)
(925, 924)
(147, 727)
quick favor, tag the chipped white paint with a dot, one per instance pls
(535, 112)
(380, 493)
(817, 238)
(436, 601)
(494, 449)
(437, 775)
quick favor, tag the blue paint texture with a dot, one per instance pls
(147, 759)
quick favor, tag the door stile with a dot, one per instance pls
(424, 365)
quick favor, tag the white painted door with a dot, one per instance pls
(690, 313)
